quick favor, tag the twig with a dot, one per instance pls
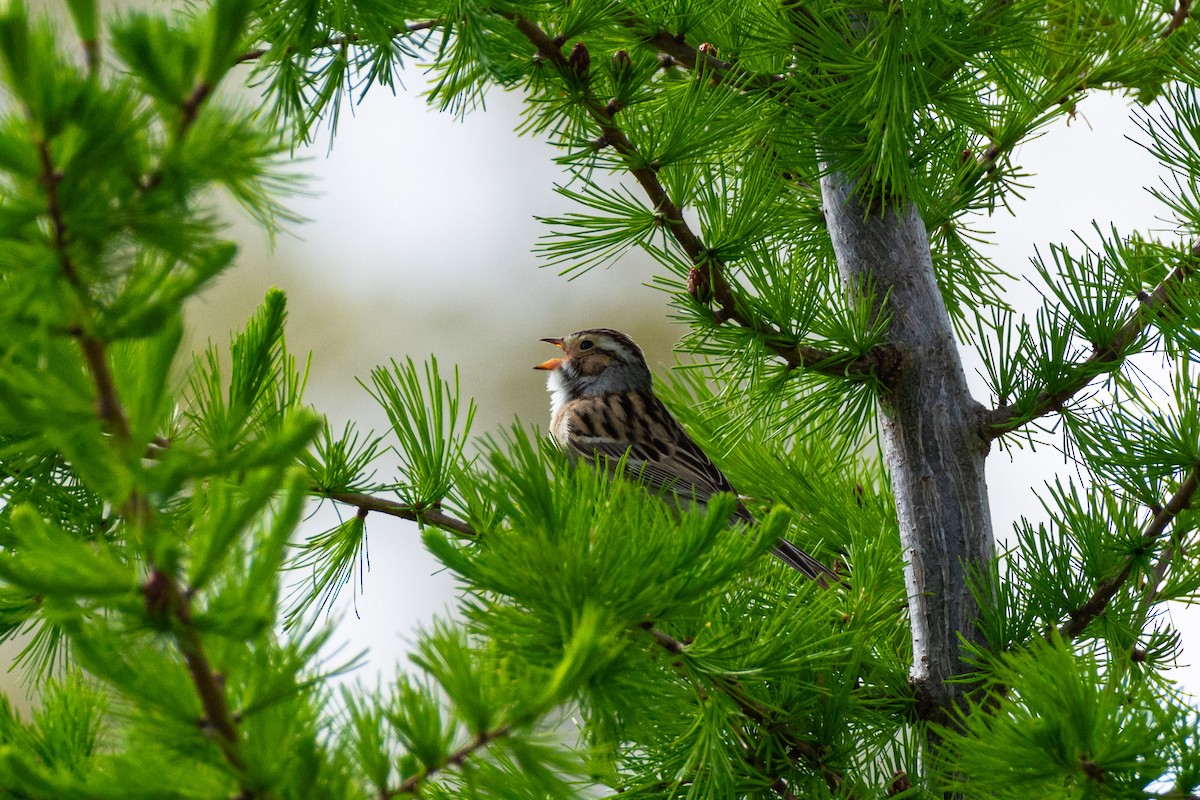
(1005, 419)
(708, 279)
(426, 516)
(164, 594)
(685, 55)
(975, 169)
(189, 110)
(50, 178)
(191, 107)
(692, 57)
(108, 404)
(412, 784)
(1180, 15)
(1150, 591)
(1081, 617)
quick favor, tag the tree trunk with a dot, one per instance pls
(931, 432)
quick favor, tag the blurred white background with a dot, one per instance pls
(418, 240)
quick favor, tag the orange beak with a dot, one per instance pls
(553, 363)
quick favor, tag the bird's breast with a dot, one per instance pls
(560, 427)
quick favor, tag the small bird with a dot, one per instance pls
(602, 406)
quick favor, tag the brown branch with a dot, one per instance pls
(337, 41)
(412, 784)
(1081, 617)
(164, 595)
(797, 748)
(191, 107)
(1182, 11)
(189, 110)
(166, 598)
(108, 404)
(781, 788)
(91, 54)
(707, 281)
(1153, 306)
(684, 54)
(425, 516)
(50, 178)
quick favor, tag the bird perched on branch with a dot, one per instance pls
(602, 406)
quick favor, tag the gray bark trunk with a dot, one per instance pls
(931, 433)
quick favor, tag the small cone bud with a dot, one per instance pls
(900, 783)
(697, 286)
(580, 60)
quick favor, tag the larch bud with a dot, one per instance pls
(580, 60)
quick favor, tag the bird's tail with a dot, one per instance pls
(801, 561)
(793, 556)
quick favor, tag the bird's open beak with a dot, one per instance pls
(553, 363)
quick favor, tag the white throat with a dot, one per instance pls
(558, 390)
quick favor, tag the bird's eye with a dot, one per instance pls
(586, 344)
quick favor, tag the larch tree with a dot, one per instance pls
(807, 175)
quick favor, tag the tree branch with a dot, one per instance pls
(189, 110)
(50, 178)
(1155, 305)
(165, 596)
(163, 593)
(1180, 15)
(1081, 617)
(412, 784)
(108, 404)
(707, 280)
(425, 516)
(684, 54)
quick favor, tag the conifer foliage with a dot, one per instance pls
(806, 175)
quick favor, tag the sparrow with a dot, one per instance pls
(602, 407)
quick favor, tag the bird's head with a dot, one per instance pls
(595, 360)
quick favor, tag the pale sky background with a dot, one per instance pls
(419, 241)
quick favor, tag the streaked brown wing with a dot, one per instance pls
(661, 454)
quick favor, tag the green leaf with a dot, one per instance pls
(84, 13)
(432, 427)
(333, 557)
(161, 56)
(224, 512)
(225, 33)
(45, 561)
(1063, 725)
(340, 464)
